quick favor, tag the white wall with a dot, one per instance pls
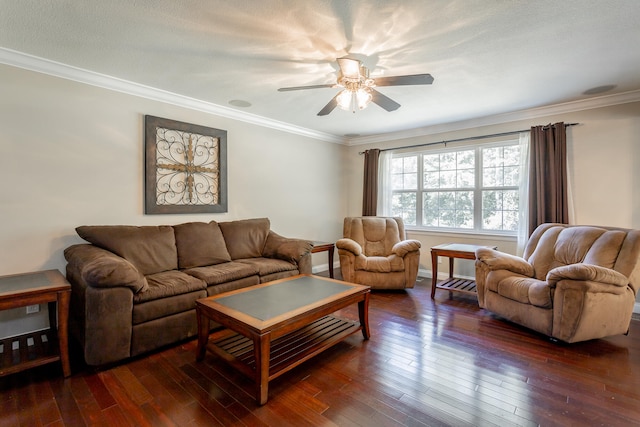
(72, 154)
(604, 167)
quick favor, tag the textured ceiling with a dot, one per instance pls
(488, 57)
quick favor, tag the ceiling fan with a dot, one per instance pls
(358, 89)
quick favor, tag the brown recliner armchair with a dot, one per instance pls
(376, 253)
(574, 283)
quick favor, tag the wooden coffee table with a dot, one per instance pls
(273, 327)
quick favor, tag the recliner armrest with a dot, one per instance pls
(349, 245)
(495, 260)
(587, 272)
(404, 247)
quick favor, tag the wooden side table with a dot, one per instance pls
(453, 250)
(325, 246)
(20, 290)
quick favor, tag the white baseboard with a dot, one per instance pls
(323, 267)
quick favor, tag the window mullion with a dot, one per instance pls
(477, 191)
(419, 191)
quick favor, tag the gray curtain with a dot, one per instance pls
(548, 175)
(370, 186)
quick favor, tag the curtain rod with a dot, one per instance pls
(493, 135)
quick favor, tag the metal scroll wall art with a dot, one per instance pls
(185, 167)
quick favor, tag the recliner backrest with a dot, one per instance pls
(376, 235)
(555, 245)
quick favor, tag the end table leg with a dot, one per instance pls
(63, 331)
(203, 333)
(331, 251)
(434, 273)
(363, 313)
(262, 352)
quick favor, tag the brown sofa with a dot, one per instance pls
(574, 283)
(134, 288)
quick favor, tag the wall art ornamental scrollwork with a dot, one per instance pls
(185, 167)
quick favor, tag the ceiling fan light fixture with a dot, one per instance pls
(358, 88)
(350, 100)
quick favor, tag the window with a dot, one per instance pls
(474, 189)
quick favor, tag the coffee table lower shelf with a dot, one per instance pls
(288, 351)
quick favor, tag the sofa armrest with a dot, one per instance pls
(587, 272)
(100, 268)
(100, 319)
(404, 247)
(350, 246)
(287, 249)
(495, 260)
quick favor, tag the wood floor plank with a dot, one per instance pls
(131, 385)
(129, 407)
(87, 404)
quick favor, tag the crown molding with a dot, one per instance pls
(531, 113)
(57, 69)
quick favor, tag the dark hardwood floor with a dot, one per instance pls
(442, 363)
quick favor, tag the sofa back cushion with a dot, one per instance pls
(200, 244)
(151, 249)
(245, 238)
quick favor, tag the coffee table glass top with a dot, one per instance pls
(270, 301)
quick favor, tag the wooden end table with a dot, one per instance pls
(322, 247)
(20, 290)
(453, 250)
(275, 326)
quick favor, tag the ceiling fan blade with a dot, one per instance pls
(285, 89)
(350, 68)
(329, 107)
(384, 101)
(415, 79)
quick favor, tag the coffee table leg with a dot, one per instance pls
(363, 313)
(203, 334)
(262, 351)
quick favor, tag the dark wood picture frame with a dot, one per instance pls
(185, 167)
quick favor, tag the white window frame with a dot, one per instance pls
(477, 189)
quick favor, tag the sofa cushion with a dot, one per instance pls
(222, 273)
(200, 244)
(168, 284)
(245, 238)
(151, 249)
(267, 266)
(162, 307)
(519, 288)
(379, 264)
